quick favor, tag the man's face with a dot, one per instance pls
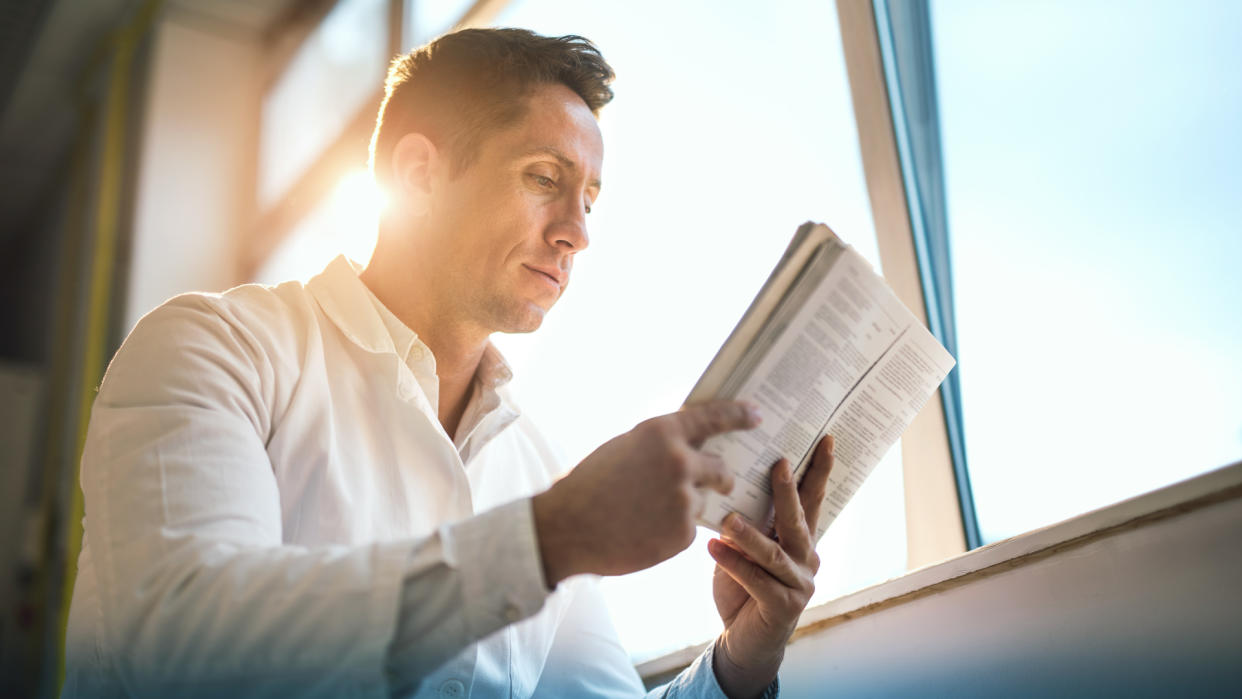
(507, 228)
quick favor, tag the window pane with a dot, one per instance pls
(1093, 170)
(730, 127)
(337, 70)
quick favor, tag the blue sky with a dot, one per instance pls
(1093, 164)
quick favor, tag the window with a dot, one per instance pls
(1092, 167)
(1084, 178)
(334, 73)
(731, 126)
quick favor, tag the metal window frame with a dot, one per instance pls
(936, 523)
(903, 31)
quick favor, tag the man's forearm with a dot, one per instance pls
(560, 540)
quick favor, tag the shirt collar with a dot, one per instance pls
(368, 323)
(493, 371)
(403, 338)
(347, 302)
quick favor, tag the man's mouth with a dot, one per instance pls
(552, 275)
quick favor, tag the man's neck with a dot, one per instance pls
(457, 347)
(456, 365)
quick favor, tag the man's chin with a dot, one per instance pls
(524, 320)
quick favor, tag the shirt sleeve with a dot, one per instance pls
(475, 577)
(588, 660)
(198, 594)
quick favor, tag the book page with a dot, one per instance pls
(818, 265)
(808, 241)
(817, 373)
(878, 411)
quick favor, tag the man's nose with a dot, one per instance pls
(570, 230)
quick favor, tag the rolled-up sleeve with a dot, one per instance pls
(198, 594)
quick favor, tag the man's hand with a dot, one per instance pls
(633, 502)
(762, 585)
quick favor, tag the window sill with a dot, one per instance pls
(1179, 498)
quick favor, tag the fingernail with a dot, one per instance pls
(735, 523)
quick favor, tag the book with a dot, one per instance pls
(825, 348)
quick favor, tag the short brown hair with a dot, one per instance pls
(465, 85)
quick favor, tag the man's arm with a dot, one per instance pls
(197, 592)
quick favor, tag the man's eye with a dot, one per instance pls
(543, 182)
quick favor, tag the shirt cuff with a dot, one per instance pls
(772, 691)
(698, 681)
(497, 554)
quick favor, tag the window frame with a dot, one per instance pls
(935, 527)
(903, 31)
(889, 63)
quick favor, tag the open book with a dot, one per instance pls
(825, 348)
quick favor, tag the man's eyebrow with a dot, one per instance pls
(563, 159)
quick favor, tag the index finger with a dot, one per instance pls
(702, 420)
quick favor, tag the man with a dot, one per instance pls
(326, 489)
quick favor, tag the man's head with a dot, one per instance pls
(488, 148)
(466, 85)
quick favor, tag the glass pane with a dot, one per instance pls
(730, 127)
(336, 71)
(1093, 170)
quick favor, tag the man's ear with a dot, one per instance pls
(414, 160)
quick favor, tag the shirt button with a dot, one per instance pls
(452, 689)
(416, 352)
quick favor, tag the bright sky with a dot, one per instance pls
(1094, 178)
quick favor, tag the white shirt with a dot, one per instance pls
(273, 508)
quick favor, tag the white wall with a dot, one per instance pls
(1152, 611)
(193, 183)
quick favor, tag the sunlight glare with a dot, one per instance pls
(356, 204)
(346, 222)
